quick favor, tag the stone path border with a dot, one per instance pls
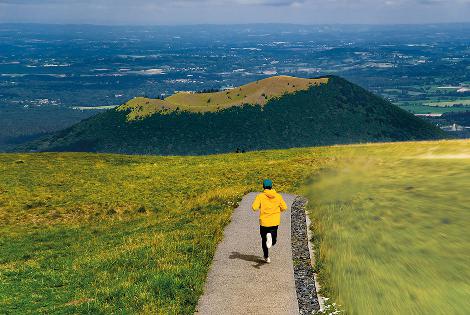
(303, 271)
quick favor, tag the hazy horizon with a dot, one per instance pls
(238, 24)
(224, 12)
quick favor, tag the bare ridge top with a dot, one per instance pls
(254, 93)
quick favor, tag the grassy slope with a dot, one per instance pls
(111, 233)
(393, 226)
(259, 92)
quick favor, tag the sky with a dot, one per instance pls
(171, 12)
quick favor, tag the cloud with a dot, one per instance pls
(157, 2)
(234, 11)
(271, 2)
(232, 2)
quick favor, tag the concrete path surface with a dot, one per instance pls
(239, 282)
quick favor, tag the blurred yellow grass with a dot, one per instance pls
(393, 224)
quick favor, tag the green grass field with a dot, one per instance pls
(102, 233)
(426, 109)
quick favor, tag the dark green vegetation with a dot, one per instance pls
(447, 121)
(461, 118)
(335, 113)
(19, 125)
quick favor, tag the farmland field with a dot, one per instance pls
(417, 108)
(462, 102)
(103, 233)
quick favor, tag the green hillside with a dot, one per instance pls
(84, 233)
(336, 112)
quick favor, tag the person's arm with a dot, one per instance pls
(256, 204)
(283, 205)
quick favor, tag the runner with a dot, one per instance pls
(270, 204)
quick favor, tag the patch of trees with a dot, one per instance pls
(19, 125)
(460, 118)
(211, 90)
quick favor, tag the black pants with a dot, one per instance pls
(264, 230)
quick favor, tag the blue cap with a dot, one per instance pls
(268, 183)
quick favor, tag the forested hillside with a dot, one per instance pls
(19, 124)
(338, 112)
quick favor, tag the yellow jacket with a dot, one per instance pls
(270, 204)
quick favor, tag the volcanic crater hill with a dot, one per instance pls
(277, 112)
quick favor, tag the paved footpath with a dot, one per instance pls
(239, 282)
